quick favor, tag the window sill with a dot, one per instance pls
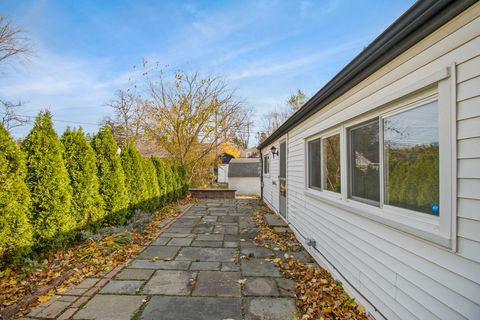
(426, 228)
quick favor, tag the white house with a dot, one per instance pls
(381, 167)
(244, 176)
(222, 173)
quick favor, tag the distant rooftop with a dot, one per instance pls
(244, 167)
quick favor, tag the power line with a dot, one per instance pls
(31, 119)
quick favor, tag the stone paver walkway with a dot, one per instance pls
(204, 266)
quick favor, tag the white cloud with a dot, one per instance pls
(260, 70)
(50, 74)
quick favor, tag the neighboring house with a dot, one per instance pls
(380, 170)
(222, 173)
(244, 176)
(249, 153)
(221, 170)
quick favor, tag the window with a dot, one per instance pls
(365, 163)
(331, 163)
(395, 164)
(314, 169)
(410, 160)
(266, 165)
(324, 163)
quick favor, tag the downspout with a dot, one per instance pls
(261, 175)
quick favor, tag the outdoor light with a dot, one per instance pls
(274, 151)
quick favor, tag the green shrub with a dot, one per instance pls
(111, 177)
(184, 180)
(160, 171)
(87, 204)
(151, 179)
(49, 185)
(169, 183)
(177, 182)
(15, 230)
(134, 177)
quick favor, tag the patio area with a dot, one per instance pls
(204, 266)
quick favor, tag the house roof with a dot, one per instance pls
(424, 17)
(244, 167)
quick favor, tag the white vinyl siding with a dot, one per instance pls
(468, 128)
(401, 275)
(270, 181)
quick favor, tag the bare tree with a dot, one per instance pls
(242, 137)
(191, 117)
(8, 116)
(274, 119)
(129, 110)
(13, 43)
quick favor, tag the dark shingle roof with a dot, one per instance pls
(244, 167)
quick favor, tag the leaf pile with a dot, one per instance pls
(269, 238)
(86, 259)
(319, 296)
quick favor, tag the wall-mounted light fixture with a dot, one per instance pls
(274, 151)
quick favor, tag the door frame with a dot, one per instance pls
(285, 153)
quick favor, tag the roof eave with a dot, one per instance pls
(424, 17)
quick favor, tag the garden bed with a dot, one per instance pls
(94, 255)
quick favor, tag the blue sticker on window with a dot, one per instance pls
(435, 209)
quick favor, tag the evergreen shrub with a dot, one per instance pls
(87, 204)
(160, 170)
(132, 164)
(49, 185)
(111, 177)
(153, 188)
(16, 233)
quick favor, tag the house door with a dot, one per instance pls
(282, 179)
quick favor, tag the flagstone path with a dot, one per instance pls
(193, 271)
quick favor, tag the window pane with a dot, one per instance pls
(411, 159)
(331, 163)
(364, 162)
(314, 172)
(283, 160)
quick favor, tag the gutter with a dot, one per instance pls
(261, 175)
(423, 18)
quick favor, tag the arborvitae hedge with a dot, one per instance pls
(176, 182)
(169, 182)
(49, 185)
(182, 172)
(160, 170)
(57, 187)
(111, 177)
(151, 179)
(134, 177)
(87, 204)
(15, 230)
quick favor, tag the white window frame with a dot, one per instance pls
(267, 157)
(441, 229)
(326, 134)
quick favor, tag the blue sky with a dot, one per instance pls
(85, 50)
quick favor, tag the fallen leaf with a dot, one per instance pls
(44, 298)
